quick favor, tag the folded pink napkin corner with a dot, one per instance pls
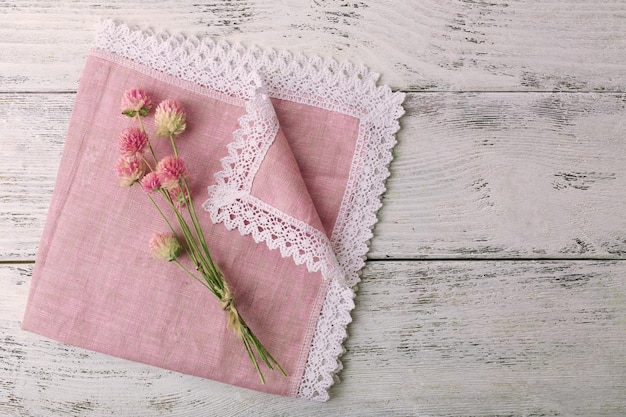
(288, 156)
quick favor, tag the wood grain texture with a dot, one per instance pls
(537, 45)
(428, 338)
(33, 132)
(475, 175)
(507, 175)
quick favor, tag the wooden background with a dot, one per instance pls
(496, 281)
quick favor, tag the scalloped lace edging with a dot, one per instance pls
(233, 69)
(231, 203)
(324, 83)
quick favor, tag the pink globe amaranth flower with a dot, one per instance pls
(170, 118)
(150, 182)
(179, 196)
(165, 246)
(171, 170)
(130, 169)
(135, 101)
(132, 141)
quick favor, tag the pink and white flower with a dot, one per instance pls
(171, 170)
(132, 141)
(165, 246)
(150, 182)
(136, 101)
(170, 118)
(130, 169)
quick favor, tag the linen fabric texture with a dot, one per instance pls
(288, 155)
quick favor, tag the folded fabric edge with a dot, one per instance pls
(225, 68)
(230, 201)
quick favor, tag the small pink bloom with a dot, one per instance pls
(129, 169)
(165, 246)
(135, 101)
(179, 196)
(132, 140)
(171, 170)
(170, 118)
(150, 182)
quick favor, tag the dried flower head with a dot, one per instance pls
(132, 141)
(150, 182)
(130, 169)
(171, 170)
(170, 118)
(135, 101)
(165, 246)
(179, 196)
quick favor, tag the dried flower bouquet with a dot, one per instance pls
(167, 179)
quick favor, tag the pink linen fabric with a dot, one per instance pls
(95, 285)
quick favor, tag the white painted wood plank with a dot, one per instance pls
(417, 45)
(33, 132)
(499, 175)
(429, 338)
(475, 175)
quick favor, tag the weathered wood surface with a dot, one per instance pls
(513, 147)
(417, 45)
(507, 175)
(429, 338)
(475, 175)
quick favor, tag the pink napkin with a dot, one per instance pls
(288, 158)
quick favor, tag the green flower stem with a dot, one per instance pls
(197, 256)
(156, 161)
(212, 274)
(267, 358)
(211, 268)
(138, 116)
(161, 213)
(173, 145)
(143, 129)
(246, 343)
(191, 244)
(147, 163)
(193, 215)
(192, 275)
(181, 221)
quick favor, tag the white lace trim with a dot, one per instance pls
(325, 83)
(231, 203)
